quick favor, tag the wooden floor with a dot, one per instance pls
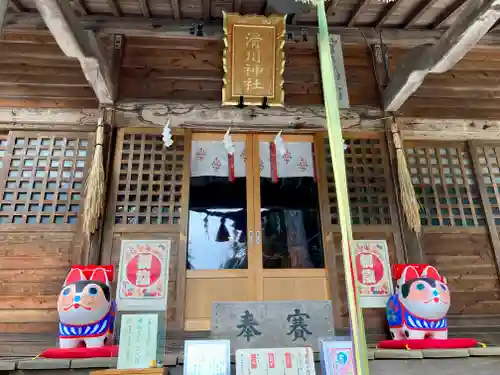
(26, 345)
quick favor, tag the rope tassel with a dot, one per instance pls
(95, 185)
(409, 201)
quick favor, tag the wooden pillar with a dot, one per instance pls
(488, 211)
(92, 255)
(329, 250)
(412, 244)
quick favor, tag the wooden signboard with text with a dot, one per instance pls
(254, 59)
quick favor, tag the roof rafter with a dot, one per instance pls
(145, 8)
(176, 9)
(3, 13)
(442, 56)
(357, 12)
(451, 12)
(330, 9)
(237, 6)
(16, 5)
(80, 6)
(419, 13)
(207, 9)
(388, 12)
(115, 8)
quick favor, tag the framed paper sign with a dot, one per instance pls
(374, 273)
(138, 339)
(337, 357)
(207, 357)
(143, 275)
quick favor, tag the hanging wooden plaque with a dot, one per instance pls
(254, 59)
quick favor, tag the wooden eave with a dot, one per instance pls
(401, 24)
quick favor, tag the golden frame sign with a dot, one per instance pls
(254, 59)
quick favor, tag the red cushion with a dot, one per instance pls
(428, 344)
(81, 352)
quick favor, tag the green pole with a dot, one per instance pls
(339, 171)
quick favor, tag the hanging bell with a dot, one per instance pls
(222, 233)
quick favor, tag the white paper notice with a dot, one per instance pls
(207, 357)
(275, 361)
(138, 339)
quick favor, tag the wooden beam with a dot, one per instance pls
(450, 129)
(451, 12)
(166, 27)
(438, 58)
(357, 12)
(80, 44)
(420, 12)
(145, 8)
(212, 115)
(51, 118)
(390, 9)
(3, 13)
(176, 9)
(15, 5)
(115, 8)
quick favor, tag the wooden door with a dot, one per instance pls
(276, 260)
(289, 251)
(220, 235)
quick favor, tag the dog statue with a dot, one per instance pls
(86, 310)
(418, 308)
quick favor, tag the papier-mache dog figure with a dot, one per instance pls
(86, 310)
(418, 308)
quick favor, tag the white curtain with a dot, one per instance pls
(210, 158)
(296, 162)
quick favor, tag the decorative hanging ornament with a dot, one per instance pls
(228, 142)
(280, 144)
(167, 135)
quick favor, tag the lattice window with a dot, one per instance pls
(368, 198)
(489, 162)
(150, 182)
(44, 178)
(3, 149)
(446, 189)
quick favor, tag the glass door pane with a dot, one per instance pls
(217, 229)
(219, 252)
(289, 205)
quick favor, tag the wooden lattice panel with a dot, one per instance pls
(445, 185)
(3, 149)
(489, 164)
(366, 181)
(150, 180)
(44, 178)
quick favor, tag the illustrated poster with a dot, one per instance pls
(374, 273)
(143, 275)
(337, 357)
